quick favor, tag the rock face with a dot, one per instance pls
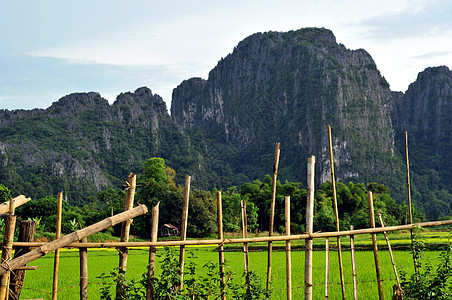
(287, 87)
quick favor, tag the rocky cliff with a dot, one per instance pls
(287, 87)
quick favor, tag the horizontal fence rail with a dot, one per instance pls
(245, 240)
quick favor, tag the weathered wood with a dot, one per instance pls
(220, 246)
(309, 229)
(288, 250)
(73, 237)
(327, 267)
(355, 278)
(336, 212)
(410, 213)
(131, 184)
(56, 260)
(245, 246)
(6, 255)
(390, 254)
(152, 251)
(83, 254)
(183, 232)
(18, 201)
(272, 215)
(27, 231)
(375, 246)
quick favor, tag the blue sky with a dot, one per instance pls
(51, 48)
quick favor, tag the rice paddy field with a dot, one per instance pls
(38, 284)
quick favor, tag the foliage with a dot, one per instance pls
(430, 281)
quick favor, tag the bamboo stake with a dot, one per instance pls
(152, 252)
(220, 246)
(27, 232)
(245, 247)
(327, 267)
(336, 212)
(56, 261)
(73, 237)
(390, 254)
(355, 278)
(83, 254)
(309, 229)
(315, 235)
(409, 200)
(18, 201)
(374, 245)
(7, 251)
(184, 229)
(288, 259)
(272, 215)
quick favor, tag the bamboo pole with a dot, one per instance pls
(56, 261)
(309, 229)
(374, 245)
(73, 237)
(390, 254)
(83, 254)
(355, 278)
(7, 249)
(327, 267)
(18, 201)
(409, 200)
(152, 252)
(288, 258)
(220, 246)
(272, 215)
(293, 237)
(183, 232)
(27, 233)
(336, 212)
(245, 247)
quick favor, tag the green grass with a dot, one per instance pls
(38, 284)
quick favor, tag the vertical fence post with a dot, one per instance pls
(288, 260)
(409, 199)
(56, 262)
(336, 212)
(272, 215)
(245, 247)
(184, 229)
(27, 233)
(355, 279)
(399, 287)
(327, 267)
(374, 245)
(125, 232)
(83, 253)
(309, 229)
(152, 252)
(220, 247)
(7, 248)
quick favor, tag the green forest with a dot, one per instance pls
(157, 183)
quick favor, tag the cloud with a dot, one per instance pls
(433, 54)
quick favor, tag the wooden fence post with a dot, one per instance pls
(152, 252)
(409, 200)
(374, 245)
(288, 259)
(183, 233)
(327, 267)
(309, 229)
(7, 248)
(83, 254)
(27, 233)
(18, 201)
(245, 247)
(220, 246)
(336, 212)
(355, 279)
(73, 237)
(56, 262)
(272, 215)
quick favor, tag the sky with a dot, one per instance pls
(52, 48)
